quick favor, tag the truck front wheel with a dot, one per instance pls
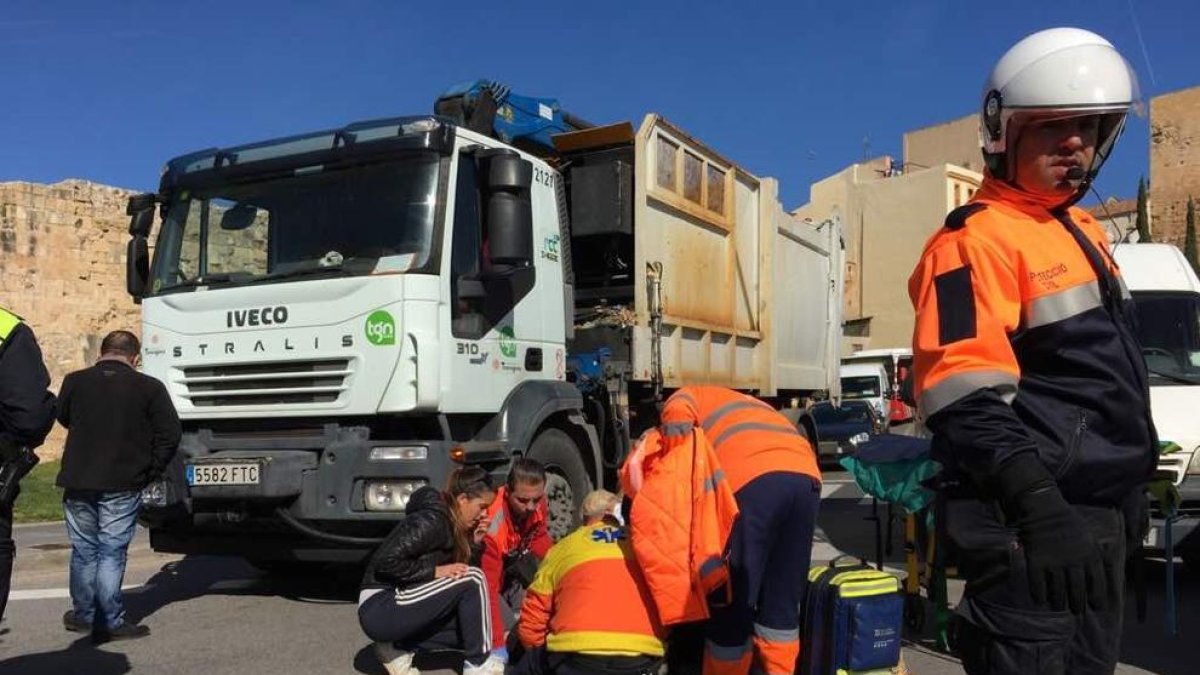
(567, 482)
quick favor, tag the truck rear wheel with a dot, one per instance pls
(567, 481)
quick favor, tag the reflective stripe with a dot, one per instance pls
(754, 426)
(776, 634)
(1062, 305)
(8, 322)
(711, 565)
(494, 526)
(682, 396)
(677, 429)
(723, 653)
(955, 387)
(716, 415)
(710, 483)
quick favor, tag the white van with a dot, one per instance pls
(1166, 292)
(897, 363)
(868, 382)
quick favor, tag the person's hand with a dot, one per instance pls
(453, 571)
(1065, 567)
(480, 531)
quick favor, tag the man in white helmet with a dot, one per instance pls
(1028, 373)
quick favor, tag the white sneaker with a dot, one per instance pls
(492, 666)
(395, 661)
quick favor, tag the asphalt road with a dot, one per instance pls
(219, 616)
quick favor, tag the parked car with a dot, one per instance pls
(841, 428)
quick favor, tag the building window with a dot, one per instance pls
(667, 152)
(715, 185)
(958, 201)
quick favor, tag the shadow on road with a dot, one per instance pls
(81, 658)
(433, 663)
(196, 576)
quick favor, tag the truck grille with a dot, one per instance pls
(279, 383)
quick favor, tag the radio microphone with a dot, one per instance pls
(1075, 173)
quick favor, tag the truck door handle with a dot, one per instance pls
(533, 359)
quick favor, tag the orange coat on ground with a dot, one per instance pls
(683, 511)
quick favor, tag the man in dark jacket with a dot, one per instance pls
(122, 430)
(26, 415)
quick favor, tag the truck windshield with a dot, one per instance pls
(863, 386)
(1169, 331)
(340, 222)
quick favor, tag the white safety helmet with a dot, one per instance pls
(1052, 74)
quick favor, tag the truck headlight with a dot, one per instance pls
(389, 495)
(859, 438)
(155, 494)
(1194, 466)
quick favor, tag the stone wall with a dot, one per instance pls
(62, 268)
(1174, 162)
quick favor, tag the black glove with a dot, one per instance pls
(1063, 562)
(15, 462)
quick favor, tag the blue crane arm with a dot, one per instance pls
(493, 108)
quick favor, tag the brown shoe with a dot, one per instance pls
(75, 625)
(126, 631)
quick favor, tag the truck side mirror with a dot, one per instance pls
(137, 266)
(509, 210)
(140, 208)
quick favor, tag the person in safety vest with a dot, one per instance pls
(772, 471)
(27, 410)
(1028, 372)
(586, 612)
(514, 542)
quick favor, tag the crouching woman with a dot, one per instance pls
(418, 593)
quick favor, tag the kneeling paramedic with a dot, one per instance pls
(771, 471)
(586, 612)
(1028, 372)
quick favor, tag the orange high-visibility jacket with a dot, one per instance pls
(749, 436)
(588, 598)
(1024, 341)
(683, 512)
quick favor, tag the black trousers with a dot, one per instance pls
(440, 614)
(1000, 629)
(7, 550)
(538, 661)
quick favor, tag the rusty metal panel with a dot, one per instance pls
(724, 322)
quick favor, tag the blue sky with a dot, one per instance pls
(109, 91)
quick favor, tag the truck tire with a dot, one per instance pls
(567, 481)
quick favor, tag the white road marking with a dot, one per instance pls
(51, 593)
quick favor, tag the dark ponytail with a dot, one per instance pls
(472, 481)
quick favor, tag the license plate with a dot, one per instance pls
(223, 474)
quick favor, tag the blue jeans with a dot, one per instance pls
(100, 526)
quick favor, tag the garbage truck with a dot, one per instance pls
(1166, 295)
(343, 316)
